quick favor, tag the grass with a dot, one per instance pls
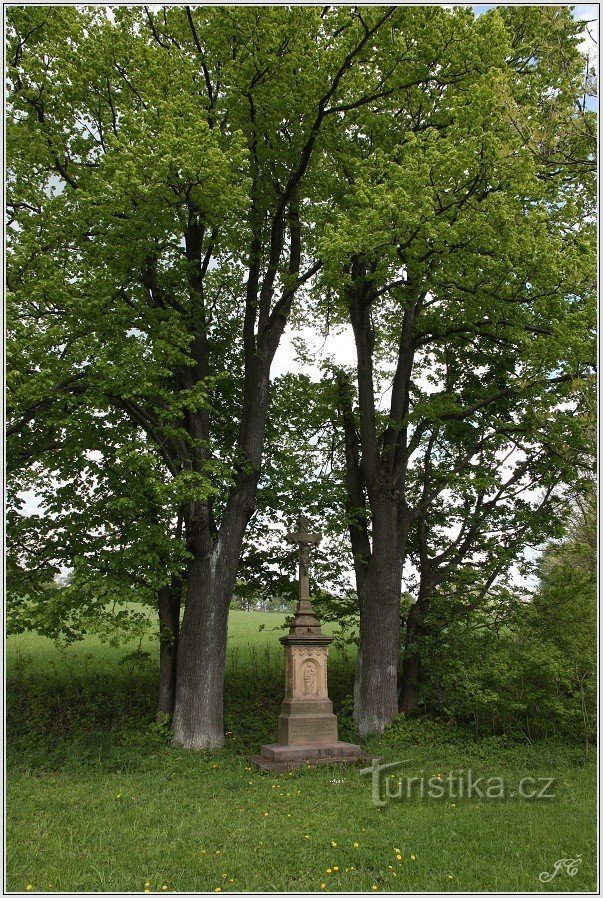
(97, 800)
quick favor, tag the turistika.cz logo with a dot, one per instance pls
(388, 785)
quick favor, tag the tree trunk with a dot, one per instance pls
(211, 576)
(198, 710)
(376, 683)
(169, 628)
(409, 694)
(411, 664)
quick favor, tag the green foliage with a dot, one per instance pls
(527, 666)
(105, 517)
(154, 167)
(161, 162)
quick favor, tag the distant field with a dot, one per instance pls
(97, 800)
(245, 630)
(248, 632)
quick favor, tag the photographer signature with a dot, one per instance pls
(569, 864)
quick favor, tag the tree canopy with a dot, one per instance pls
(183, 183)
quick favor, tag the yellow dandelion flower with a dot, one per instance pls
(394, 873)
(453, 805)
(333, 844)
(329, 870)
(356, 844)
(389, 867)
(265, 813)
(147, 885)
(412, 857)
(164, 888)
(396, 851)
(352, 868)
(29, 887)
(374, 888)
(306, 837)
(398, 857)
(336, 869)
(323, 885)
(450, 876)
(218, 889)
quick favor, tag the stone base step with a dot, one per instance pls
(287, 757)
(279, 752)
(282, 766)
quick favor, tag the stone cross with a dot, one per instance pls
(304, 540)
(307, 727)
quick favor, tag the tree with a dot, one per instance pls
(163, 167)
(491, 513)
(461, 253)
(104, 516)
(525, 661)
(179, 177)
(564, 615)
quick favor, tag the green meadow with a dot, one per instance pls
(98, 800)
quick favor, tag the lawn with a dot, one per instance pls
(97, 800)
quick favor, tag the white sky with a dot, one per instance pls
(339, 345)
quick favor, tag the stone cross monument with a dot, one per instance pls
(307, 727)
(307, 715)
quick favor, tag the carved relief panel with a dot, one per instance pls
(309, 675)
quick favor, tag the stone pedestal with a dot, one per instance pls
(307, 727)
(307, 714)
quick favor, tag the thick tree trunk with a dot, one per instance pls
(211, 576)
(198, 711)
(376, 683)
(169, 628)
(378, 477)
(411, 664)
